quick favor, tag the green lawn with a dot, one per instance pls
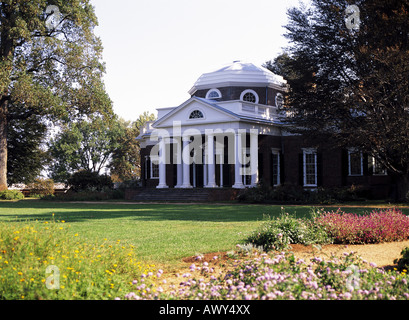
(162, 233)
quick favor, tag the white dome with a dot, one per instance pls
(238, 73)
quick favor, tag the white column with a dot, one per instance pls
(204, 169)
(162, 164)
(221, 172)
(238, 179)
(186, 163)
(179, 161)
(210, 161)
(254, 157)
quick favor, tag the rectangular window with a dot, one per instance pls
(310, 167)
(355, 162)
(276, 168)
(154, 167)
(375, 167)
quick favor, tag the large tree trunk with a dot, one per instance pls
(3, 146)
(402, 188)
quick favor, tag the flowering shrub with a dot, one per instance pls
(282, 277)
(279, 233)
(85, 270)
(376, 227)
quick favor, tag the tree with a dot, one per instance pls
(86, 144)
(126, 162)
(349, 78)
(50, 64)
(27, 155)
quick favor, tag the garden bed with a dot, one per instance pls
(382, 254)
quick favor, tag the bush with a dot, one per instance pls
(283, 277)
(11, 195)
(87, 196)
(97, 270)
(298, 194)
(378, 226)
(89, 181)
(42, 187)
(279, 233)
(403, 262)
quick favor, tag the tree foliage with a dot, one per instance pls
(126, 162)
(86, 144)
(352, 84)
(50, 64)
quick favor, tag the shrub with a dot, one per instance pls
(279, 233)
(283, 277)
(87, 196)
(87, 270)
(89, 181)
(42, 187)
(11, 195)
(376, 227)
(403, 262)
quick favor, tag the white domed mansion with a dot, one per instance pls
(229, 135)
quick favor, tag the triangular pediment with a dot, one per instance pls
(206, 113)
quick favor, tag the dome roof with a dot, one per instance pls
(238, 73)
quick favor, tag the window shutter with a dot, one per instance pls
(301, 169)
(344, 166)
(319, 169)
(282, 171)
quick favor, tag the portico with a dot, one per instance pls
(212, 156)
(212, 139)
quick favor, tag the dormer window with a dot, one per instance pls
(196, 114)
(213, 94)
(249, 96)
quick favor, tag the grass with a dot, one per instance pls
(161, 233)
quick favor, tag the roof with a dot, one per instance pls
(238, 73)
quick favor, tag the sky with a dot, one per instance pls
(155, 50)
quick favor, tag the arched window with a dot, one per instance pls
(249, 96)
(197, 114)
(213, 94)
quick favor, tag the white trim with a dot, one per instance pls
(249, 91)
(310, 151)
(350, 152)
(154, 159)
(213, 90)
